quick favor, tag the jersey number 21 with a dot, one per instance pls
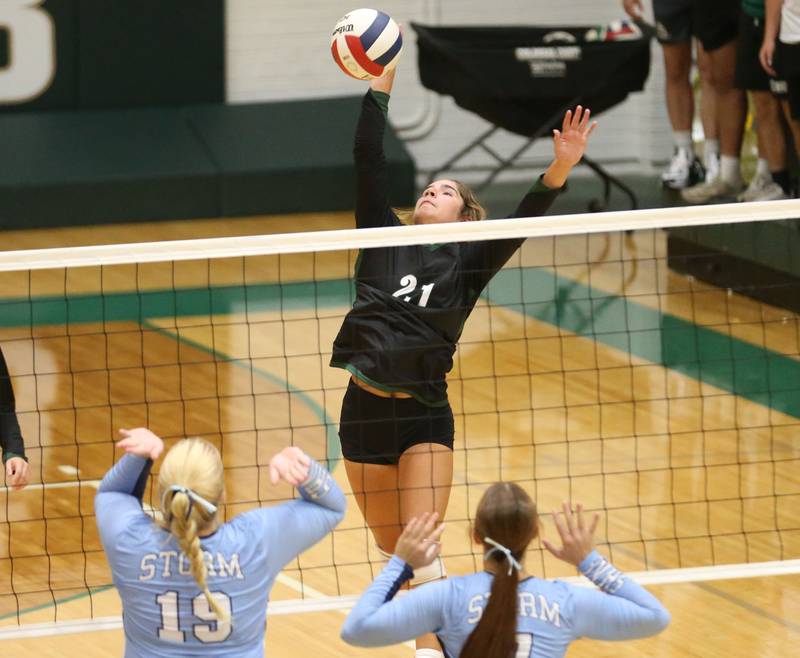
(409, 283)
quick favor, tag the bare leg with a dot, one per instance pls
(389, 496)
(708, 99)
(794, 124)
(680, 100)
(426, 475)
(731, 103)
(771, 142)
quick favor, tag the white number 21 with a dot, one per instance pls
(409, 283)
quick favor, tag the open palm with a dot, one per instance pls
(569, 143)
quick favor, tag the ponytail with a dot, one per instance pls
(184, 527)
(495, 636)
(506, 521)
(191, 483)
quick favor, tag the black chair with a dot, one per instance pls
(523, 79)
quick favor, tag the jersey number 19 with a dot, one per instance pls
(217, 630)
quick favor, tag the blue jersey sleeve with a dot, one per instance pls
(291, 528)
(119, 498)
(377, 620)
(622, 610)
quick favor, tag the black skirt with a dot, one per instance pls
(376, 430)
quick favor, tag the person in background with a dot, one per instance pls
(674, 30)
(716, 24)
(780, 57)
(771, 180)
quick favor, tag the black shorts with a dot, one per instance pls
(787, 66)
(673, 20)
(750, 75)
(715, 22)
(376, 430)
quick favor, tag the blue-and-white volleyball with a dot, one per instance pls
(366, 43)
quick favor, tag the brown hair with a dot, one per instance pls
(471, 211)
(507, 515)
(194, 464)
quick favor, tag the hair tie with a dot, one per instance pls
(193, 496)
(512, 562)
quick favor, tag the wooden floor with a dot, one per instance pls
(547, 393)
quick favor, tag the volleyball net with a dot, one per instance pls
(589, 371)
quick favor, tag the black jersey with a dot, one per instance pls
(11, 443)
(412, 301)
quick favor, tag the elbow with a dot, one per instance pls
(351, 635)
(663, 619)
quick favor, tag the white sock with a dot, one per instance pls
(428, 653)
(710, 149)
(729, 170)
(762, 167)
(682, 139)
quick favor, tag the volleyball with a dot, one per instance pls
(366, 43)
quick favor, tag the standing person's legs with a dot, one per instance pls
(716, 25)
(673, 29)
(708, 114)
(771, 179)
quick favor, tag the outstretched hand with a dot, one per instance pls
(290, 464)
(16, 473)
(576, 538)
(569, 143)
(418, 545)
(141, 442)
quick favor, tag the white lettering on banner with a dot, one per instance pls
(31, 50)
(563, 53)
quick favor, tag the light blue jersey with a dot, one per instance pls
(164, 611)
(550, 613)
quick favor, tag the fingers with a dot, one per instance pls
(274, 474)
(592, 126)
(551, 549)
(567, 121)
(576, 118)
(595, 521)
(567, 510)
(579, 516)
(563, 532)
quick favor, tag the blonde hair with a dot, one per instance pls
(196, 465)
(471, 211)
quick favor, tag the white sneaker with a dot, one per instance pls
(759, 182)
(681, 171)
(705, 192)
(711, 165)
(772, 192)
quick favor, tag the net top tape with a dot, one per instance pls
(288, 243)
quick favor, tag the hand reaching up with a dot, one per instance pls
(141, 442)
(577, 538)
(419, 544)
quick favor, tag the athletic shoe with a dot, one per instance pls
(683, 170)
(705, 192)
(758, 183)
(770, 192)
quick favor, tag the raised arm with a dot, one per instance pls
(291, 528)
(377, 619)
(621, 610)
(372, 176)
(119, 496)
(12, 446)
(484, 259)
